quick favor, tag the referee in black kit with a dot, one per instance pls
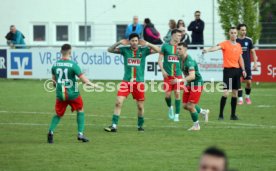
(232, 62)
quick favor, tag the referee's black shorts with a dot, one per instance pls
(231, 78)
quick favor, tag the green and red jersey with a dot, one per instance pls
(65, 72)
(171, 62)
(190, 65)
(134, 63)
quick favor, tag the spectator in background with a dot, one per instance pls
(134, 27)
(15, 37)
(150, 33)
(213, 159)
(197, 28)
(180, 23)
(184, 36)
(172, 25)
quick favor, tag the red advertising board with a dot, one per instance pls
(266, 66)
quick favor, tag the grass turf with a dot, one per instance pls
(26, 110)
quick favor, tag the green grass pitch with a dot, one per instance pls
(26, 110)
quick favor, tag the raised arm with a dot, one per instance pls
(155, 48)
(114, 49)
(212, 49)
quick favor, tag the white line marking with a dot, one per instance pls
(238, 123)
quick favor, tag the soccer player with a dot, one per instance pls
(64, 73)
(133, 81)
(193, 88)
(232, 62)
(247, 47)
(169, 64)
(213, 159)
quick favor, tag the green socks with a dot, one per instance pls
(194, 116)
(54, 123)
(115, 119)
(168, 101)
(140, 121)
(80, 121)
(177, 106)
(198, 109)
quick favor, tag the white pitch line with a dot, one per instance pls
(133, 126)
(238, 123)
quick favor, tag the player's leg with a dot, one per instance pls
(77, 105)
(81, 123)
(235, 86)
(177, 88)
(167, 87)
(248, 86)
(122, 94)
(203, 112)
(194, 116)
(234, 105)
(116, 115)
(168, 100)
(226, 83)
(140, 115)
(177, 104)
(240, 94)
(222, 104)
(60, 108)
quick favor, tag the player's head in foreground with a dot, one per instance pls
(213, 159)
(176, 36)
(66, 50)
(233, 33)
(182, 49)
(242, 29)
(133, 40)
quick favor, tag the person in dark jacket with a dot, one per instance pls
(15, 37)
(150, 33)
(197, 28)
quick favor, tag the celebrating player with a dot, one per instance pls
(64, 73)
(193, 88)
(247, 47)
(169, 64)
(232, 62)
(133, 81)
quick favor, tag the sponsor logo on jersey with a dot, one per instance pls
(21, 63)
(173, 58)
(133, 61)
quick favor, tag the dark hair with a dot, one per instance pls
(65, 47)
(183, 44)
(241, 25)
(178, 23)
(176, 31)
(132, 35)
(173, 23)
(214, 151)
(148, 22)
(197, 11)
(232, 28)
(12, 26)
